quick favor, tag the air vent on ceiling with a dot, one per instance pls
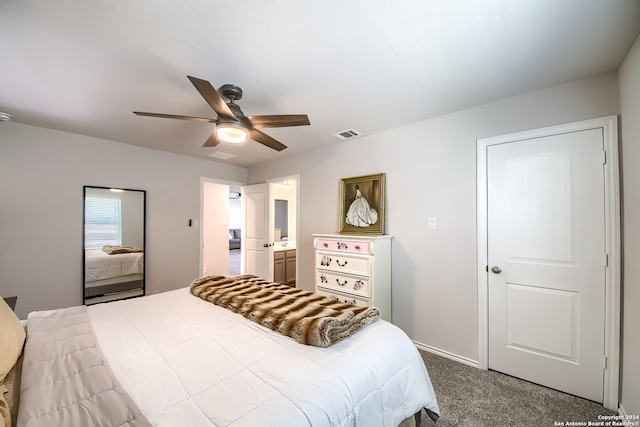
(346, 134)
(221, 155)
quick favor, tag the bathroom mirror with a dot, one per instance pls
(281, 220)
(114, 244)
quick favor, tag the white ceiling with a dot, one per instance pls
(83, 66)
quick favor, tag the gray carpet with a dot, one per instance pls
(468, 396)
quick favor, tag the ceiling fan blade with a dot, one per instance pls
(213, 98)
(173, 116)
(265, 139)
(278, 121)
(212, 141)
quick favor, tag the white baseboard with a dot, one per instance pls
(446, 354)
(621, 411)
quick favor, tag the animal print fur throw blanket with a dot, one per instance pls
(304, 316)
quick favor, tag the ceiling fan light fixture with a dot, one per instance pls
(232, 133)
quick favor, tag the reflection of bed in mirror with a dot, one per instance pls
(108, 275)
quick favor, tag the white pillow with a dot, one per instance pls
(12, 338)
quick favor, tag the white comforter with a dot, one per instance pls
(186, 362)
(66, 380)
(98, 265)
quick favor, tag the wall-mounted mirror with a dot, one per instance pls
(114, 244)
(281, 220)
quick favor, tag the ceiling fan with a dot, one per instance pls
(232, 125)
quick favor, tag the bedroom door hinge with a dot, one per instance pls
(604, 157)
(605, 363)
(606, 260)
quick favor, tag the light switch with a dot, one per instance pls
(431, 223)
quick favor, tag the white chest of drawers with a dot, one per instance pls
(355, 270)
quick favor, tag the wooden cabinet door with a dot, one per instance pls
(290, 267)
(279, 267)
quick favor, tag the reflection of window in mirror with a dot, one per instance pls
(103, 221)
(114, 237)
(281, 219)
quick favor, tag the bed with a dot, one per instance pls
(107, 273)
(177, 359)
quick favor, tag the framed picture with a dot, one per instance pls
(362, 204)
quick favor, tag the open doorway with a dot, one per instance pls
(220, 216)
(269, 242)
(284, 192)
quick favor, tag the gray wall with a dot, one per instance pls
(42, 172)
(630, 155)
(431, 172)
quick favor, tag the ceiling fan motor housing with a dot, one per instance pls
(233, 93)
(235, 109)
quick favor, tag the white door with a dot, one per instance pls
(257, 250)
(546, 258)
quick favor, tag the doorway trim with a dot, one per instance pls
(609, 126)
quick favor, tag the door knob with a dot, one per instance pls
(496, 269)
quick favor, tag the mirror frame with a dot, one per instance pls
(123, 294)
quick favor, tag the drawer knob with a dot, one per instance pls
(343, 264)
(341, 284)
(325, 244)
(325, 261)
(323, 278)
(358, 247)
(342, 246)
(357, 285)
